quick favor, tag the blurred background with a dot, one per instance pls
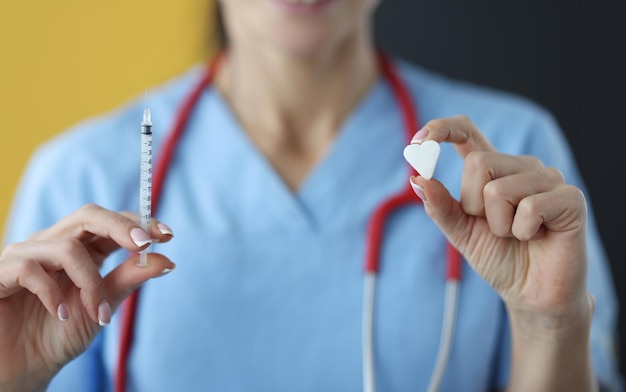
(567, 55)
(63, 61)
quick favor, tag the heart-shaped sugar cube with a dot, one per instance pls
(423, 157)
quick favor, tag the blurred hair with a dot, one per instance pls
(222, 39)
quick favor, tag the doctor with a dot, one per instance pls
(284, 158)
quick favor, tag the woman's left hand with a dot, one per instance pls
(518, 224)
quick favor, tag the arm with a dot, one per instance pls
(53, 300)
(49, 231)
(552, 355)
(523, 229)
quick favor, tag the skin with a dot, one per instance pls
(523, 230)
(56, 266)
(517, 223)
(274, 56)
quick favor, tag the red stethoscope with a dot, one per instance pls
(375, 234)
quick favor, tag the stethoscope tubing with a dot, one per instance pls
(376, 231)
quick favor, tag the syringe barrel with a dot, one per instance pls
(145, 178)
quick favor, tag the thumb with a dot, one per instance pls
(126, 277)
(443, 209)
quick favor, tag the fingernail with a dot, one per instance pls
(104, 314)
(63, 312)
(420, 136)
(418, 189)
(592, 301)
(165, 229)
(140, 237)
(166, 271)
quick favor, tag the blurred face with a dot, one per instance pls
(301, 27)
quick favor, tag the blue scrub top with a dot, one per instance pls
(268, 290)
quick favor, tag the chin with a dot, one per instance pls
(304, 48)
(307, 42)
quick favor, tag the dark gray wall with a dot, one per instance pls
(567, 55)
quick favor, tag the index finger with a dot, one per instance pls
(92, 221)
(459, 130)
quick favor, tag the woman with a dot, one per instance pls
(284, 159)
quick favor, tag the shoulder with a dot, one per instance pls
(511, 121)
(95, 161)
(107, 146)
(109, 133)
(450, 95)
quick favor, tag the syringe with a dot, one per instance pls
(145, 180)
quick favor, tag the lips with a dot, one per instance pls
(303, 5)
(302, 1)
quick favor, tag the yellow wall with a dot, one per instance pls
(62, 61)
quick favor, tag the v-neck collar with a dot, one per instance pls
(356, 167)
(346, 171)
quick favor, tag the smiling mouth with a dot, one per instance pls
(303, 5)
(310, 2)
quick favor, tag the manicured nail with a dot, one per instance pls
(166, 271)
(63, 312)
(140, 237)
(104, 313)
(165, 229)
(420, 136)
(418, 189)
(592, 301)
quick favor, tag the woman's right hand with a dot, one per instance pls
(53, 300)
